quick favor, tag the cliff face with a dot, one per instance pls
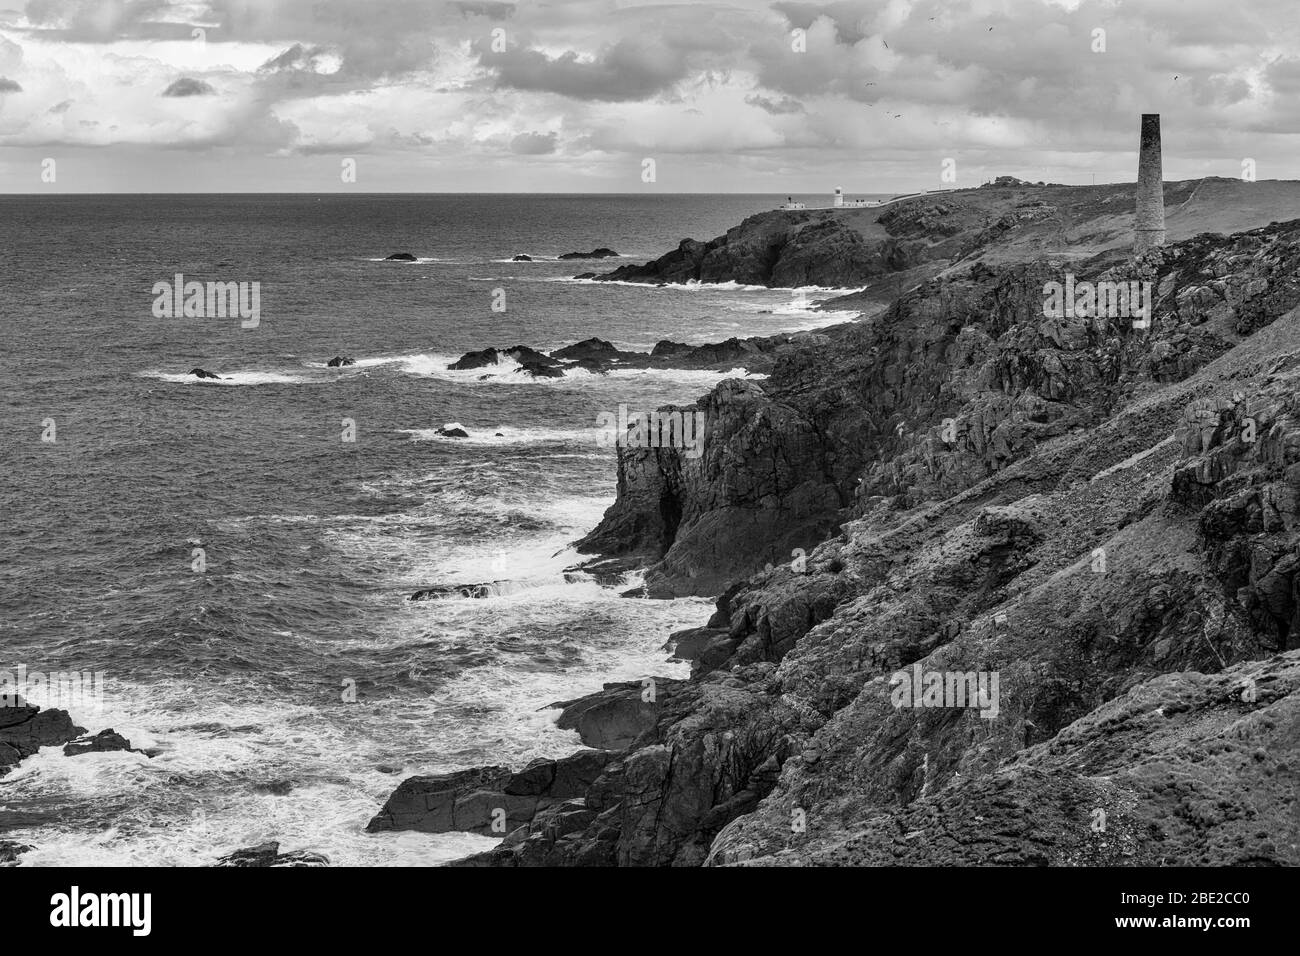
(1104, 519)
(959, 378)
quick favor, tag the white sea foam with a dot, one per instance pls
(236, 378)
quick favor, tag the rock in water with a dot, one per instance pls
(601, 253)
(202, 373)
(268, 854)
(521, 258)
(10, 851)
(102, 742)
(452, 430)
(400, 257)
(339, 361)
(25, 729)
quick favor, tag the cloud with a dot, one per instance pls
(777, 107)
(631, 69)
(534, 144)
(187, 86)
(9, 86)
(493, 11)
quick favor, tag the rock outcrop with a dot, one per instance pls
(1081, 534)
(25, 729)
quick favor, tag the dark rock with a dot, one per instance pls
(269, 855)
(613, 718)
(540, 371)
(10, 851)
(441, 591)
(400, 257)
(25, 729)
(452, 432)
(521, 258)
(102, 742)
(490, 356)
(202, 373)
(340, 361)
(474, 800)
(601, 253)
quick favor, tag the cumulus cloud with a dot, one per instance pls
(882, 88)
(631, 69)
(534, 144)
(780, 106)
(188, 86)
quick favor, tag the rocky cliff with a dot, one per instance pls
(1097, 524)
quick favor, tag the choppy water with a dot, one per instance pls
(237, 674)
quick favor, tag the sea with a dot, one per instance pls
(234, 558)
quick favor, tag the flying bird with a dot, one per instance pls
(886, 44)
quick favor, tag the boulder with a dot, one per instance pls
(339, 361)
(400, 257)
(202, 373)
(521, 258)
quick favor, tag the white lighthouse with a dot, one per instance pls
(839, 197)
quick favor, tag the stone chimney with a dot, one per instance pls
(1149, 223)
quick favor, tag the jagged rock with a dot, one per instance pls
(268, 854)
(10, 851)
(452, 431)
(486, 799)
(439, 591)
(25, 729)
(1104, 517)
(102, 742)
(339, 361)
(202, 373)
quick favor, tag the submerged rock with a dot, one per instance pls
(400, 257)
(202, 373)
(521, 258)
(269, 855)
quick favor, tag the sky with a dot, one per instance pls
(620, 96)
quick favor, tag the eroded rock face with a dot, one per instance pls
(960, 378)
(1126, 561)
